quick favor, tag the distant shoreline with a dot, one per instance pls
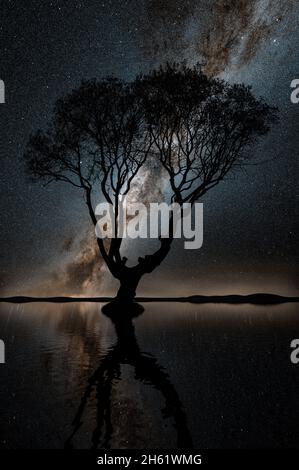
(257, 299)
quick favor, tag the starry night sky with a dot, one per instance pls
(48, 47)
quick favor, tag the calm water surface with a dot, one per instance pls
(177, 376)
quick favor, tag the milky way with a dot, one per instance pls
(219, 34)
(250, 221)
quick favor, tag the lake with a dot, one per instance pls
(176, 376)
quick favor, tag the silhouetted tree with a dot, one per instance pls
(197, 128)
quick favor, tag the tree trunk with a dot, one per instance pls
(128, 286)
(129, 277)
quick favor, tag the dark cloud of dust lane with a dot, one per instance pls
(237, 29)
(221, 34)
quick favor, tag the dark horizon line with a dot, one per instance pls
(258, 299)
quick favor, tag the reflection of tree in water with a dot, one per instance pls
(147, 371)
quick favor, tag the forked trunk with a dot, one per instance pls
(129, 277)
(128, 286)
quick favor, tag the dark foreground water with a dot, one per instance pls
(211, 376)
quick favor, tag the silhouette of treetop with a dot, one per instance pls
(201, 126)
